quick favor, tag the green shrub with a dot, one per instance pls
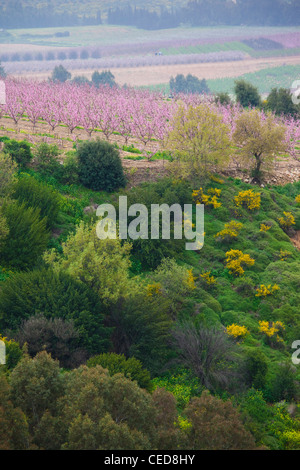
(46, 162)
(19, 151)
(256, 369)
(100, 166)
(39, 196)
(283, 385)
(28, 236)
(117, 363)
(70, 168)
(25, 294)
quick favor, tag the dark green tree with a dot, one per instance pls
(142, 329)
(28, 236)
(247, 94)
(103, 78)
(188, 84)
(39, 196)
(256, 368)
(283, 386)
(99, 166)
(280, 102)
(60, 74)
(19, 151)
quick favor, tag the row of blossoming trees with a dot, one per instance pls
(140, 114)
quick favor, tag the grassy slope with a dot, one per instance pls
(225, 302)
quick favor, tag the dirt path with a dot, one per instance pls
(142, 76)
(296, 240)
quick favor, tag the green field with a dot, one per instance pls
(264, 80)
(206, 48)
(108, 35)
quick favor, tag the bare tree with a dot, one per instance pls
(208, 352)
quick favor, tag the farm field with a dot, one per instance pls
(149, 76)
(220, 54)
(265, 79)
(109, 34)
(137, 121)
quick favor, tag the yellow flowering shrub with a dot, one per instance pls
(272, 330)
(210, 199)
(287, 220)
(215, 179)
(291, 439)
(264, 291)
(210, 280)
(248, 199)
(297, 199)
(191, 280)
(214, 191)
(264, 227)
(231, 230)
(183, 423)
(154, 289)
(237, 331)
(235, 259)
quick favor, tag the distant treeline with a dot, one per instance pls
(212, 13)
(14, 15)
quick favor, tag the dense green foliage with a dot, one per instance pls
(100, 166)
(280, 102)
(117, 363)
(39, 196)
(246, 94)
(28, 236)
(55, 296)
(20, 152)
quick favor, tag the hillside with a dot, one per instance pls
(91, 7)
(146, 330)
